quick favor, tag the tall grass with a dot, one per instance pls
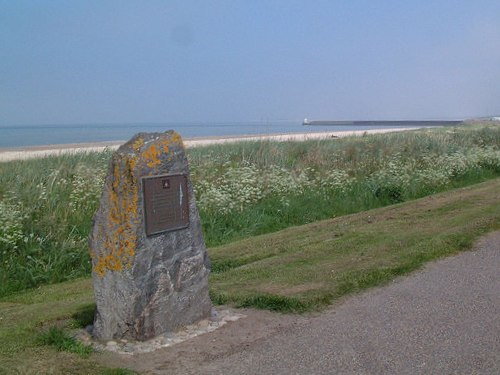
(255, 188)
(46, 209)
(242, 189)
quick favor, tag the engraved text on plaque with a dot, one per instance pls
(166, 203)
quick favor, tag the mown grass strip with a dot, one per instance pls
(307, 267)
(296, 270)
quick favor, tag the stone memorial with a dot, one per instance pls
(149, 262)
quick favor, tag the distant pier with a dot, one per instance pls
(401, 123)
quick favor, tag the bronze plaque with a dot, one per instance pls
(166, 204)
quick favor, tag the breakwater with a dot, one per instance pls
(403, 123)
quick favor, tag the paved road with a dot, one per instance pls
(444, 319)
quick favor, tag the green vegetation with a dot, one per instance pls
(297, 269)
(35, 327)
(255, 188)
(243, 190)
(46, 208)
(307, 267)
(61, 340)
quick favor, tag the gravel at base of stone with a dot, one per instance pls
(123, 346)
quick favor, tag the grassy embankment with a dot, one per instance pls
(243, 190)
(297, 269)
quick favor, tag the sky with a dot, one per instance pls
(65, 62)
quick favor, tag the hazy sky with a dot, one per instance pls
(167, 61)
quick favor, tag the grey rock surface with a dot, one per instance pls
(145, 286)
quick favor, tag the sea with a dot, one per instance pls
(56, 134)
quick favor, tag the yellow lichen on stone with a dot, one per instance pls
(176, 138)
(120, 236)
(138, 144)
(132, 163)
(116, 176)
(152, 156)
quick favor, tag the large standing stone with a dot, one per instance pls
(146, 285)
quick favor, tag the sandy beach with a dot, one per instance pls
(22, 153)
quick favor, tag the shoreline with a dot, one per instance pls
(31, 152)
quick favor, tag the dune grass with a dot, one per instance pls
(255, 188)
(243, 189)
(294, 270)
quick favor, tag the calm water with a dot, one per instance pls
(37, 135)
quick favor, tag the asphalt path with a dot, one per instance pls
(444, 319)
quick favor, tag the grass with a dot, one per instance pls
(35, 327)
(63, 341)
(297, 269)
(307, 267)
(243, 190)
(46, 208)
